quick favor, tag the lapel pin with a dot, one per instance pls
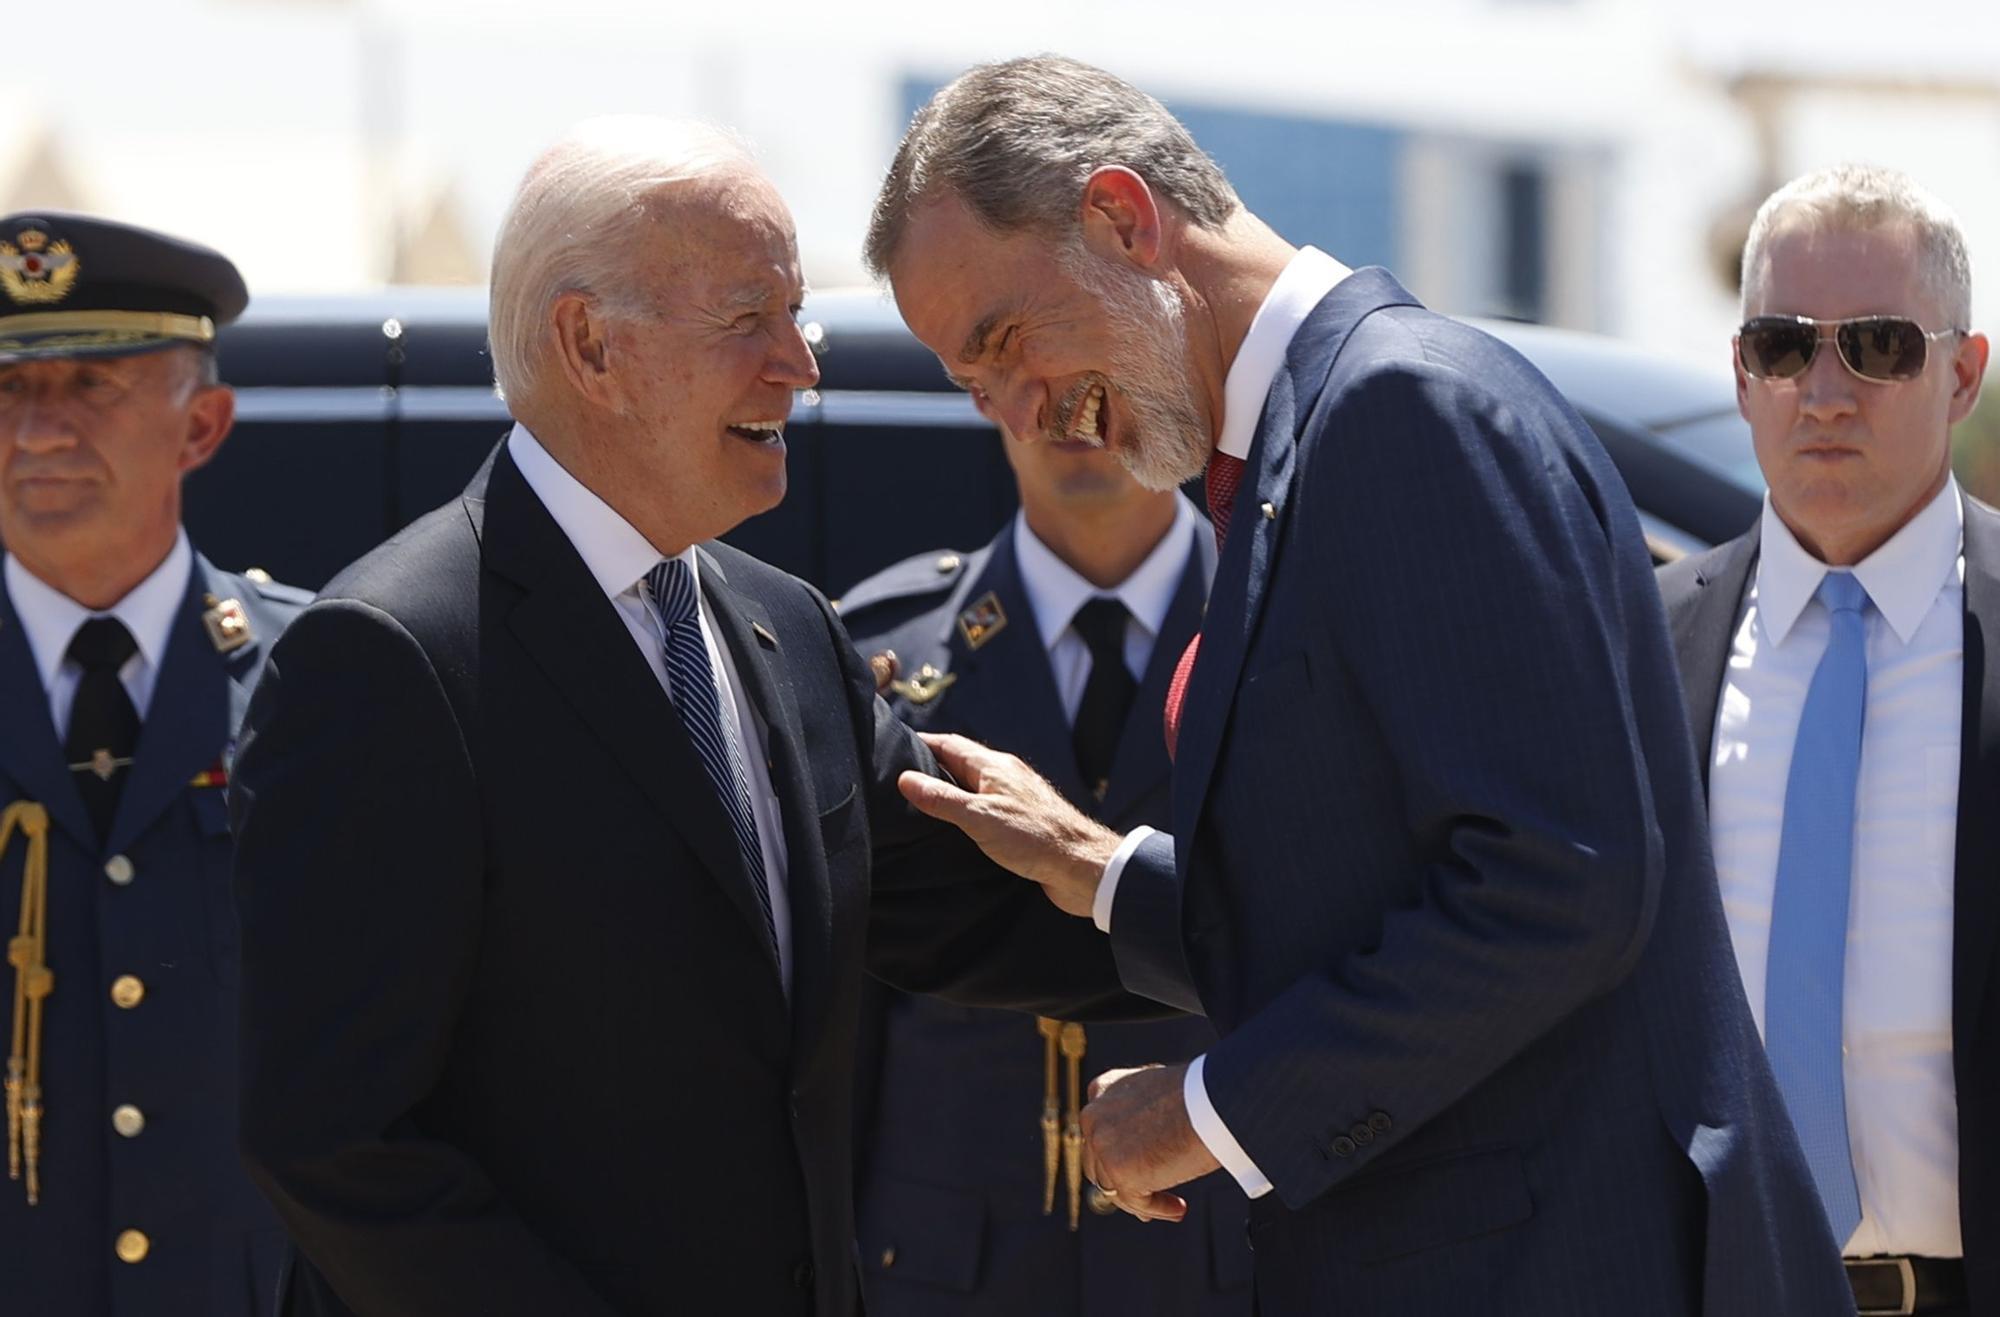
(1270, 512)
(983, 620)
(227, 625)
(925, 686)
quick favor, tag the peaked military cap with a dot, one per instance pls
(76, 286)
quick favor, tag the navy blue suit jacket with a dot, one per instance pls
(215, 1245)
(949, 1166)
(1704, 599)
(1439, 872)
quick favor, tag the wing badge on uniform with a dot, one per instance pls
(925, 686)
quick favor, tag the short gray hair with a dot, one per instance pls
(1016, 141)
(1857, 198)
(571, 225)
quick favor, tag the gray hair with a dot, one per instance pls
(1857, 198)
(572, 223)
(1016, 141)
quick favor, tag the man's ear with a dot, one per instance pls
(210, 414)
(1969, 365)
(1121, 218)
(583, 348)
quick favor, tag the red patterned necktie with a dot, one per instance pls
(1225, 473)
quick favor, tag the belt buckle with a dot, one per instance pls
(1904, 1271)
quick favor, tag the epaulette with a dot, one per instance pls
(917, 577)
(275, 591)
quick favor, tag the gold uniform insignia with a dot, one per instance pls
(983, 620)
(34, 270)
(228, 626)
(925, 686)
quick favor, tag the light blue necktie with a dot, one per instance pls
(1803, 988)
(696, 699)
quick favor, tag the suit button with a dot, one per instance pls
(888, 1257)
(127, 991)
(1362, 1136)
(128, 1120)
(133, 1246)
(1343, 1146)
(802, 1276)
(119, 870)
(1380, 1122)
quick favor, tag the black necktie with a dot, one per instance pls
(1107, 695)
(103, 725)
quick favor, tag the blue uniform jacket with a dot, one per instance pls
(950, 1149)
(153, 905)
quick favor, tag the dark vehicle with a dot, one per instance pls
(357, 414)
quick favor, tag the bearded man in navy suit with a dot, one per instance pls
(1438, 873)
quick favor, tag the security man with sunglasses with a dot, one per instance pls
(126, 663)
(1841, 664)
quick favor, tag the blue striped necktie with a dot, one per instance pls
(696, 697)
(1804, 978)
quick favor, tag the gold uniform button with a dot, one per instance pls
(948, 562)
(129, 1121)
(127, 991)
(119, 870)
(133, 1246)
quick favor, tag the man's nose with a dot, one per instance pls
(38, 427)
(792, 362)
(1020, 407)
(1826, 389)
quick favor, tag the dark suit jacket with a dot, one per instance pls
(1439, 873)
(950, 1166)
(1704, 599)
(215, 1246)
(514, 1036)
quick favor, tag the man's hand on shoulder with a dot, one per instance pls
(1020, 821)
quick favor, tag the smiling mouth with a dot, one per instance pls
(1086, 419)
(767, 434)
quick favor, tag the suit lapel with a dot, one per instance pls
(1141, 764)
(1256, 527)
(744, 629)
(1703, 622)
(30, 750)
(1976, 894)
(574, 634)
(187, 723)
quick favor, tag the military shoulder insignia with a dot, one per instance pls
(34, 270)
(227, 624)
(982, 620)
(925, 686)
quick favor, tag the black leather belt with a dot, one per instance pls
(1906, 1285)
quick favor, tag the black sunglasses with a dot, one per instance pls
(1885, 349)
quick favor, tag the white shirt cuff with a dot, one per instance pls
(1107, 886)
(1215, 1135)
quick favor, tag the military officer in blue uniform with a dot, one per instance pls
(126, 660)
(1056, 641)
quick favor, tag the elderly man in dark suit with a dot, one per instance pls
(1055, 641)
(126, 661)
(557, 817)
(1846, 702)
(1438, 872)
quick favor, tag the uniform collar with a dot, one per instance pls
(50, 617)
(1902, 577)
(1306, 280)
(613, 551)
(1055, 591)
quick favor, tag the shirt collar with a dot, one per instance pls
(1055, 591)
(1305, 282)
(50, 617)
(1902, 577)
(613, 551)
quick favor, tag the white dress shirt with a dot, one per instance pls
(619, 557)
(50, 619)
(1055, 592)
(1305, 282)
(1902, 1113)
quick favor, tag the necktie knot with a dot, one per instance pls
(1101, 623)
(1842, 592)
(102, 645)
(672, 586)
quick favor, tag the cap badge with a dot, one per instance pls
(228, 627)
(983, 620)
(33, 269)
